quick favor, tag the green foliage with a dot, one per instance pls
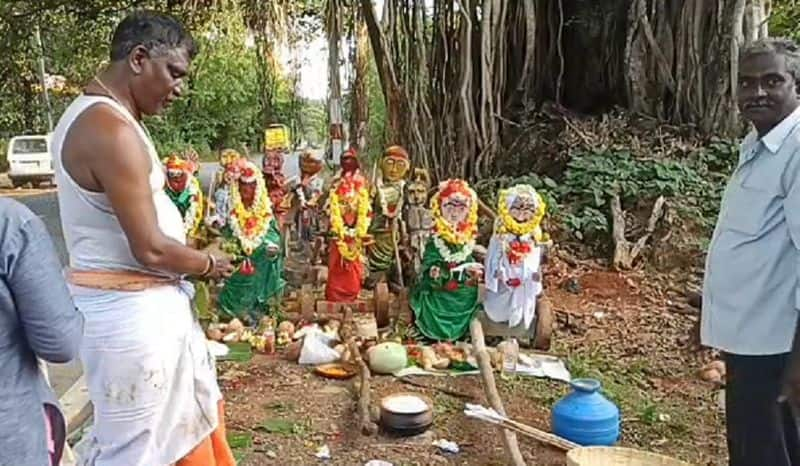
(221, 105)
(784, 19)
(580, 199)
(217, 109)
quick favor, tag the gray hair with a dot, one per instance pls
(780, 46)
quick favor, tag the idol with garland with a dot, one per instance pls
(387, 228)
(184, 190)
(513, 260)
(272, 169)
(445, 297)
(251, 236)
(417, 216)
(349, 214)
(309, 193)
(222, 181)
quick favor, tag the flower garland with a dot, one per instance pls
(518, 248)
(507, 222)
(193, 217)
(465, 231)
(450, 256)
(349, 239)
(250, 226)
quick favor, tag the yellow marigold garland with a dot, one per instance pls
(350, 251)
(532, 226)
(194, 214)
(456, 234)
(250, 226)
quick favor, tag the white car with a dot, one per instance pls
(29, 160)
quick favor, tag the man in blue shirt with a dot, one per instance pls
(37, 321)
(750, 293)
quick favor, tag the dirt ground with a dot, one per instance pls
(628, 330)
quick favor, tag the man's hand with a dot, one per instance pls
(223, 268)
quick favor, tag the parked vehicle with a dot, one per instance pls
(30, 160)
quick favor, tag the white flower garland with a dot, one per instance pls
(453, 257)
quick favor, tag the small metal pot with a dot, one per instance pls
(406, 423)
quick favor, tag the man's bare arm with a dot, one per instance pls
(121, 166)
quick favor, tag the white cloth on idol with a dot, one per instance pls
(504, 303)
(149, 373)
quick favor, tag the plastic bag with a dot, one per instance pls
(316, 350)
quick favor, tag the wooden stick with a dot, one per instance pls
(446, 391)
(540, 435)
(487, 374)
(368, 427)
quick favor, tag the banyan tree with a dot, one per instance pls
(457, 74)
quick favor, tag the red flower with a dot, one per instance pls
(452, 265)
(513, 282)
(247, 268)
(452, 285)
(251, 223)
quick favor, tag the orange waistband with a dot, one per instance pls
(117, 280)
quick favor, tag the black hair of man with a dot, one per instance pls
(158, 33)
(780, 46)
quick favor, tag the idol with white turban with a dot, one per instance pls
(513, 279)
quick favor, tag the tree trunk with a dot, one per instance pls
(333, 28)
(359, 114)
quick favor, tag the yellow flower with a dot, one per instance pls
(451, 233)
(507, 223)
(350, 250)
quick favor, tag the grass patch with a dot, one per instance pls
(239, 352)
(645, 417)
(240, 443)
(286, 427)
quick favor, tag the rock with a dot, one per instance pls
(572, 285)
(5, 181)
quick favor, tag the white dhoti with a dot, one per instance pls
(506, 303)
(150, 376)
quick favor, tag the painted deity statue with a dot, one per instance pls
(349, 213)
(309, 193)
(513, 280)
(388, 198)
(418, 219)
(251, 235)
(183, 188)
(272, 167)
(223, 179)
(445, 296)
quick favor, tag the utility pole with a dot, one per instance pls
(42, 77)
